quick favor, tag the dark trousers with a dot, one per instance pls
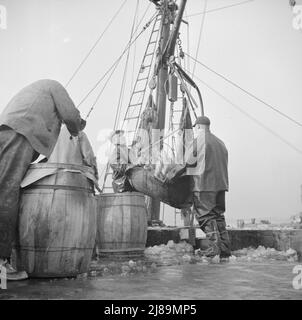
(209, 208)
(16, 154)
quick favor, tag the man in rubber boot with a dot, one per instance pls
(210, 176)
(29, 126)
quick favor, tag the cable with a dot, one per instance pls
(114, 66)
(95, 44)
(140, 96)
(102, 90)
(99, 81)
(188, 46)
(248, 93)
(143, 16)
(199, 37)
(218, 9)
(252, 118)
(110, 76)
(134, 56)
(117, 61)
(117, 116)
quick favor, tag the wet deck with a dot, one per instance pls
(265, 280)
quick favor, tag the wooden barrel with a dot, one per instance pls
(57, 223)
(121, 225)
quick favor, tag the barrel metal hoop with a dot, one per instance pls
(122, 250)
(122, 242)
(44, 249)
(58, 187)
(59, 165)
(123, 205)
(121, 194)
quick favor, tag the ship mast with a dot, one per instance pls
(167, 48)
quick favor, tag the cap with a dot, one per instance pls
(202, 120)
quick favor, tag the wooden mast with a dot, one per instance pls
(167, 48)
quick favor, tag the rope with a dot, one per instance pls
(199, 37)
(117, 61)
(119, 106)
(95, 44)
(218, 9)
(182, 75)
(143, 16)
(178, 129)
(251, 117)
(102, 90)
(190, 98)
(188, 46)
(248, 93)
(134, 57)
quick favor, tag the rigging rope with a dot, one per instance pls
(218, 9)
(251, 117)
(95, 44)
(119, 106)
(181, 77)
(134, 57)
(118, 60)
(113, 68)
(188, 46)
(200, 34)
(102, 90)
(247, 92)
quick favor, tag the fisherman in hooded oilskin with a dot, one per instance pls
(210, 177)
(29, 126)
(119, 162)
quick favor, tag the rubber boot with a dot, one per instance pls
(213, 239)
(225, 243)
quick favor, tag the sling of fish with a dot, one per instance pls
(176, 190)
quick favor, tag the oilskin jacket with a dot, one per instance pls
(207, 161)
(37, 112)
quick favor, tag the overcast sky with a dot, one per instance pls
(253, 44)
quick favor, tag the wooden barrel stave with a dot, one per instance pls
(122, 223)
(58, 239)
